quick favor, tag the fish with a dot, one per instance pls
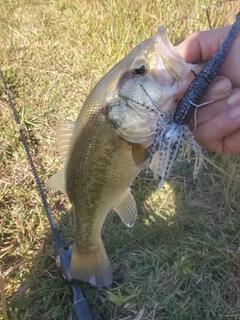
(110, 143)
(172, 135)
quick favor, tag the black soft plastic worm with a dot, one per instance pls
(204, 79)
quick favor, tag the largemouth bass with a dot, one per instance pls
(171, 134)
(110, 143)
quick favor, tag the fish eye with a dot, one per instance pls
(140, 69)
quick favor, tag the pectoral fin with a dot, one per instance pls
(141, 154)
(126, 208)
(57, 181)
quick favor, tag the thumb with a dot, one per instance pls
(201, 46)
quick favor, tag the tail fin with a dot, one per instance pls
(93, 267)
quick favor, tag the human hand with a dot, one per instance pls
(218, 124)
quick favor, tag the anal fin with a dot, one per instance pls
(126, 208)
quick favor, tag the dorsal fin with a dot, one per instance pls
(64, 132)
(126, 208)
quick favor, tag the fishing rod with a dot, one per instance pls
(80, 309)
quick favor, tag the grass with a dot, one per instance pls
(181, 259)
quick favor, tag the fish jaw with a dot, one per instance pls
(175, 69)
(140, 99)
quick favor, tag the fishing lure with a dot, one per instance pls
(172, 135)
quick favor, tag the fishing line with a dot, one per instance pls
(80, 309)
(34, 171)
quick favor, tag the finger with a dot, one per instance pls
(230, 143)
(218, 107)
(218, 93)
(201, 46)
(216, 134)
(219, 90)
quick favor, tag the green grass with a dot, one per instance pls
(181, 259)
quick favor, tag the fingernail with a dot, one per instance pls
(220, 87)
(235, 113)
(234, 98)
